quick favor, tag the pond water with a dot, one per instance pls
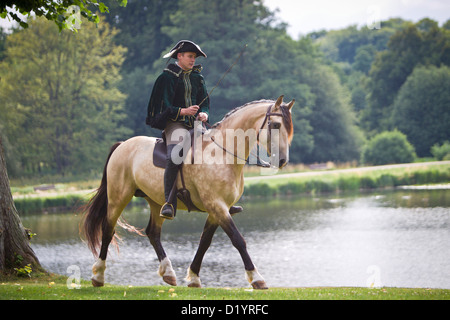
(397, 238)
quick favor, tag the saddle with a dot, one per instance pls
(160, 150)
(159, 160)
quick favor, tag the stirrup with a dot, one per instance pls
(164, 213)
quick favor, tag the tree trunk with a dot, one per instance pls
(15, 250)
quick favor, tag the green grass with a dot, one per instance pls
(54, 287)
(353, 180)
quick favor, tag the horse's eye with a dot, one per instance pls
(275, 125)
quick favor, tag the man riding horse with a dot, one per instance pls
(179, 97)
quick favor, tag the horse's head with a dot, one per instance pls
(277, 131)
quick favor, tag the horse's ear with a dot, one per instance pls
(291, 104)
(279, 102)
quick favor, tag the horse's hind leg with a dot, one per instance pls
(153, 232)
(205, 241)
(114, 211)
(98, 269)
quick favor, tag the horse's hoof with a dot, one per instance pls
(170, 280)
(259, 285)
(95, 283)
(194, 285)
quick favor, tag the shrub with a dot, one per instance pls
(441, 152)
(367, 183)
(388, 147)
(349, 184)
(259, 189)
(292, 188)
(386, 180)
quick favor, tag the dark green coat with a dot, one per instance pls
(175, 89)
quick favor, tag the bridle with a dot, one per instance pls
(260, 162)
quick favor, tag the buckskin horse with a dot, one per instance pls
(213, 187)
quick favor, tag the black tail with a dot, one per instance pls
(95, 212)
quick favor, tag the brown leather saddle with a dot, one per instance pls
(159, 160)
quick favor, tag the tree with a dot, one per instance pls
(343, 45)
(420, 43)
(61, 107)
(59, 12)
(336, 136)
(422, 108)
(140, 27)
(15, 250)
(386, 148)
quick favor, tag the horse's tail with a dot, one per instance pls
(95, 212)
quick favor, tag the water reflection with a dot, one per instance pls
(305, 241)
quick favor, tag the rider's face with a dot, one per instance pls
(186, 60)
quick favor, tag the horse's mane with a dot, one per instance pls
(233, 111)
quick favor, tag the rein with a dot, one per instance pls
(261, 162)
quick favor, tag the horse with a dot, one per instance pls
(214, 187)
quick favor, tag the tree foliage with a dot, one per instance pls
(60, 102)
(421, 43)
(422, 108)
(58, 11)
(140, 27)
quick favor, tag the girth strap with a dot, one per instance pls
(184, 195)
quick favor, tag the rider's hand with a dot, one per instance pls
(191, 111)
(202, 116)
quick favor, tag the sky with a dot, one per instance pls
(304, 16)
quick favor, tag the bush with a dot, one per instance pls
(349, 184)
(388, 147)
(291, 188)
(441, 152)
(259, 189)
(368, 183)
(386, 181)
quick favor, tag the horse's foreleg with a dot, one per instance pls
(205, 241)
(252, 274)
(153, 232)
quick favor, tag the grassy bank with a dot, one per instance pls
(69, 196)
(53, 287)
(351, 180)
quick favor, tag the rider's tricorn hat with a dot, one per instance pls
(185, 46)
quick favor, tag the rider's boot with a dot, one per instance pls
(169, 208)
(235, 209)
